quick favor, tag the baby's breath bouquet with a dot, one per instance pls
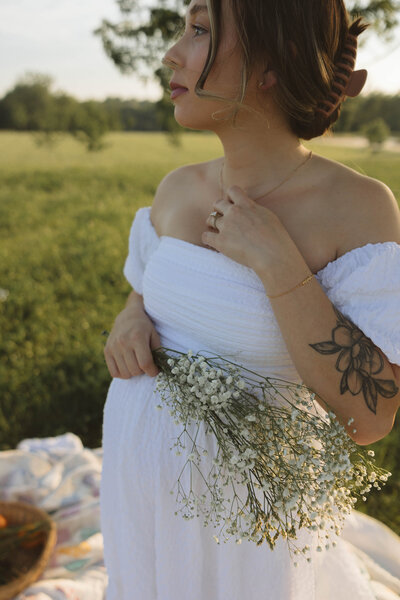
(298, 465)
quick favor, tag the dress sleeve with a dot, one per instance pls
(143, 241)
(364, 285)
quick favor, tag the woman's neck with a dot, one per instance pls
(259, 158)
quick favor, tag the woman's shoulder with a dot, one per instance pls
(364, 210)
(359, 209)
(178, 183)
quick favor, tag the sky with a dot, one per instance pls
(55, 37)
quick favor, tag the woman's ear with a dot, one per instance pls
(269, 80)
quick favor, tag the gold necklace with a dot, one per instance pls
(273, 189)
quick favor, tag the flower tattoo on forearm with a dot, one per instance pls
(359, 361)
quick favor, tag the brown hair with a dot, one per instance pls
(301, 40)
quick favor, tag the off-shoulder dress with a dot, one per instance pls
(200, 299)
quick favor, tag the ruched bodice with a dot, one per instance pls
(199, 297)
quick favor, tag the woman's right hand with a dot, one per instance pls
(128, 348)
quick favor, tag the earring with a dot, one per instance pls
(260, 84)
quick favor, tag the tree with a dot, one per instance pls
(89, 124)
(138, 41)
(376, 133)
(29, 105)
(32, 106)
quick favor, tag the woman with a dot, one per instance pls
(285, 260)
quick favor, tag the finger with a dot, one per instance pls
(211, 220)
(238, 196)
(155, 340)
(122, 366)
(112, 367)
(210, 239)
(222, 205)
(132, 363)
(145, 360)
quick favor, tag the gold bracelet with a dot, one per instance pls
(306, 280)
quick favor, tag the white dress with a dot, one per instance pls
(200, 299)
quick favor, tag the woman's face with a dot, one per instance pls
(190, 55)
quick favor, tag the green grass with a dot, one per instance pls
(65, 217)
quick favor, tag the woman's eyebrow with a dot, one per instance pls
(197, 8)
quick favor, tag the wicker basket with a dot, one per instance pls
(33, 561)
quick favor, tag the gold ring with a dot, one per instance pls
(216, 215)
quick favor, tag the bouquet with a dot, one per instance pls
(298, 465)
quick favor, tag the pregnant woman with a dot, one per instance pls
(274, 257)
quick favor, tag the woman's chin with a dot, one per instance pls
(190, 120)
(185, 121)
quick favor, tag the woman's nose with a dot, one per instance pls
(171, 58)
(168, 62)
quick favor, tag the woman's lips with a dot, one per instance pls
(177, 92)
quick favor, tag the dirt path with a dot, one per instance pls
(355, 141)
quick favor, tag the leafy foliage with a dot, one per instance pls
(376, 132)
(32, 106)
(382, 14)
(358, 112)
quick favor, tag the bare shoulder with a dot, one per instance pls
(175, 186)
(364, 210)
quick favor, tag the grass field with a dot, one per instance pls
(65, 217)
(153, 153)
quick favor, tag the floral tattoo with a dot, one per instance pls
(358, 360)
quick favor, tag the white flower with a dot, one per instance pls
(251, 418)
(303, 461)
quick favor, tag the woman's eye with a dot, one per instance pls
(198, 28)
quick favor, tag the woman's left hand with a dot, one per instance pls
(249, 233)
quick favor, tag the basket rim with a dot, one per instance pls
(15, 586)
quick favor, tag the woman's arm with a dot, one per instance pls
(361, 384)
(335, 359)
(134, 302)
(331, 354)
